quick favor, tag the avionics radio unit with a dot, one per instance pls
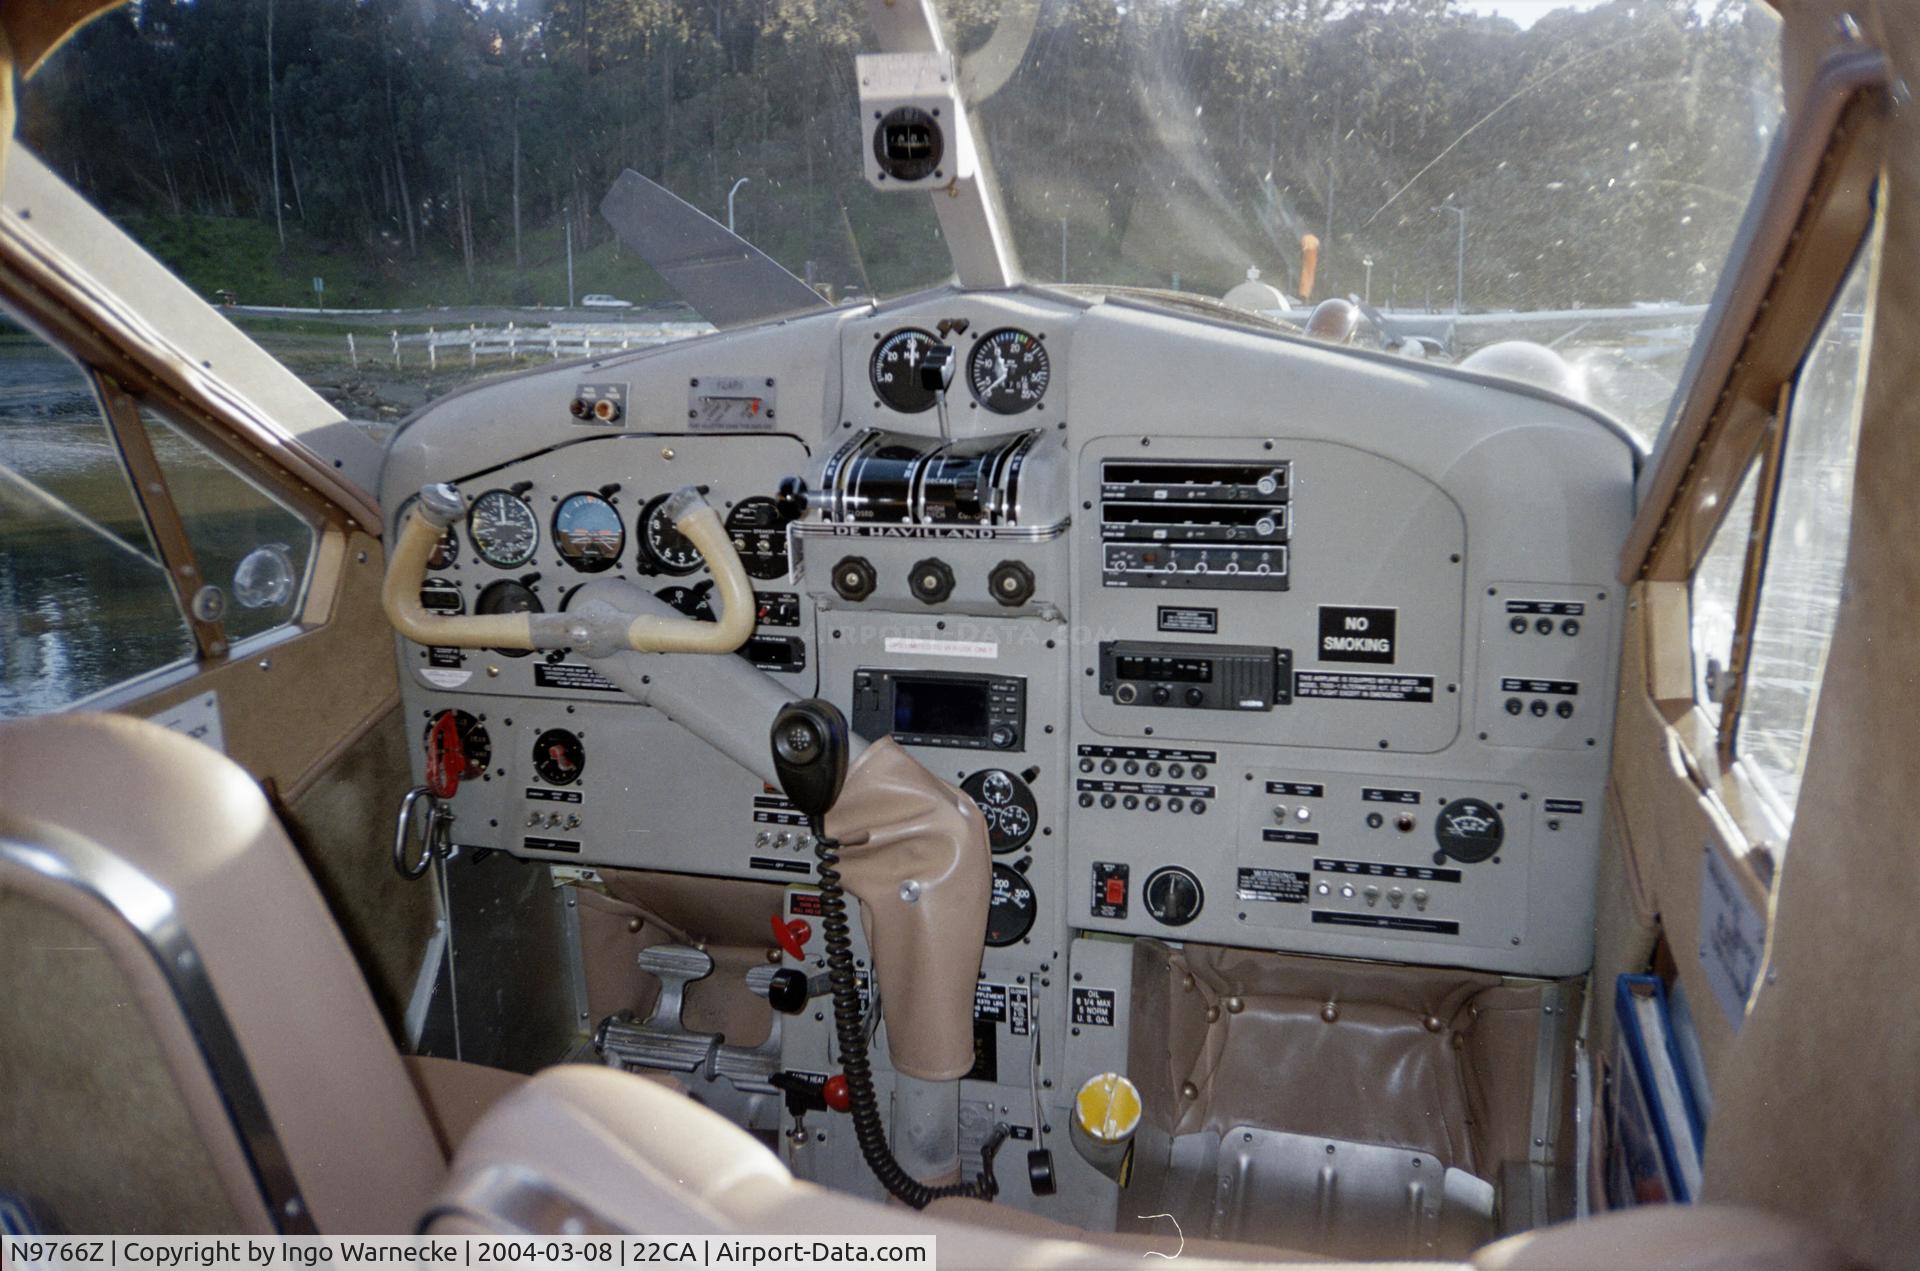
(1201, 677)
(940, 708)
(1191, 524)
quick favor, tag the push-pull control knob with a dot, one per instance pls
(854, 578)
(931, 581)
(1011, 583)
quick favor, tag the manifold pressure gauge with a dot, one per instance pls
(895, 370)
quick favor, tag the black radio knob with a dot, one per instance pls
(1194, 697)
(1162, 695)
(931, 581)
(1002, 736)
(1011, 583)
(1469, 830)
(854, 579)
(1173, 895)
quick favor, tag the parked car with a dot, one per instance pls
(605, 302)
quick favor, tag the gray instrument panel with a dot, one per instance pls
(1389, 607)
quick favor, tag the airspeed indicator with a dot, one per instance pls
(1008, 371)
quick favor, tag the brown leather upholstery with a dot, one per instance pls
(1673, 1237)
(456, 1095)
(361, 1150)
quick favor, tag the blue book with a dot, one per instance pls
(1657, 1132)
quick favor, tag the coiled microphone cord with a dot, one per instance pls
(849, 1029)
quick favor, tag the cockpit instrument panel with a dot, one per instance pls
(1231, 637)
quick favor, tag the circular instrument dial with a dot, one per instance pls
(475, 745)
(504, 529)
(668, 550)
(588, 533)
(558, 757)
(1006, 803)
(759, 534)
(1008, 370)
(1173, 895)
(446, 552)
(1011, 912)
(895, 370)
(1469, 830)
(508, 596)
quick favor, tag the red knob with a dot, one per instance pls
(835, 1092)
(792, 936)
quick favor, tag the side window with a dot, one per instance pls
(1716, 598)
(1807, 549)
(85, 601)
(244, 541)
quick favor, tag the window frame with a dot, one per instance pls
(119, 412)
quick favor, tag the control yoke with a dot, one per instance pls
(596, 631)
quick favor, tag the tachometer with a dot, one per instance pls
(508, 596)
(1008, 370)
(668, 550)
(759, 534)
(503, 529)
(588, 533)
(895, 370)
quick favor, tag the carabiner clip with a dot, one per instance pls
(435, 831)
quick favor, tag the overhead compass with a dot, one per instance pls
(1009, 370)
(895, 368)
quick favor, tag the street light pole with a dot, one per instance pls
(1366, 293)
(730, 193)
(1460, 258)
(567, 212)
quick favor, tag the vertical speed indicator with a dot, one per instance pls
(1008, 371)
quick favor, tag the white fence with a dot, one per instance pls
(553, 342)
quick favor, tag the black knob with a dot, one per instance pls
(931, 581)
(1040, 1172)
(1162, 695)
(854, 579)
(1195, 697)
(1469, 830)
(787, 991)
(1002, 736)
(790, 498)
(1011, 583)
(1173, 896)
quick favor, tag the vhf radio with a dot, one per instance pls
(1202, 677)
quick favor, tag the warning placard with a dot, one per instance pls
(1363, 686)
(1350, 633)
(1286, 886)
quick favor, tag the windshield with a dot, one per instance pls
(1512, 161)
(395, 197)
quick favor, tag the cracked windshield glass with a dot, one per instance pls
(399, 196)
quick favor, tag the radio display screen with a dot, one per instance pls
(940, 708)
(1175, 670)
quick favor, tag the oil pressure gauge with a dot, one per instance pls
(1009, 370)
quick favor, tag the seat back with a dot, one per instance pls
(186, 1042)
